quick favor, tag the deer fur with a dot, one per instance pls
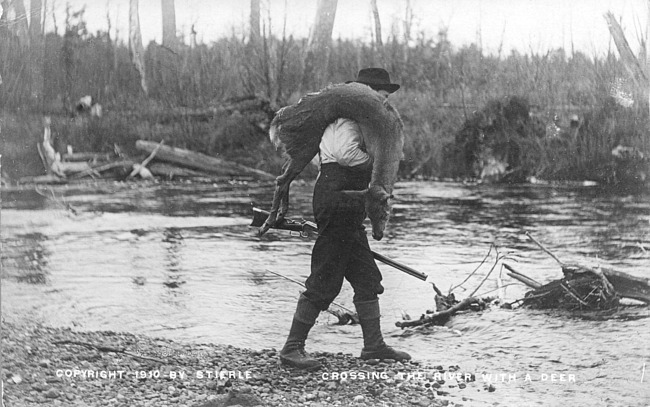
(299, 128)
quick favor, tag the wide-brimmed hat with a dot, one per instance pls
(376, 78)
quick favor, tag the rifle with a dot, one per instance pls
(306, 228)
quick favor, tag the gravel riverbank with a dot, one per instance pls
(54, 366)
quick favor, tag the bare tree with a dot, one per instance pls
(169, 24)
(408, 26)
(37, 52)
(634, 67)
(254, 22)
(21, 27)
(379, 44)
(647, 49)
(318, 49)
(5, 11)
(135, 43)
(36, 14)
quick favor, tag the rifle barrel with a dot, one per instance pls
(402, 267)
(311, 226)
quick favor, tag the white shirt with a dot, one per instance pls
(342, 143)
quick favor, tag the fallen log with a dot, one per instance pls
(172, 171)
(70, 168)
(610, 284)
(626, 285)
(577, 292)
(93, 157)
(42, 179)
(442, 317)
(123, 164)
(200, 161)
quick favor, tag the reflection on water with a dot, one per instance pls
(25, 258)
(180, 261)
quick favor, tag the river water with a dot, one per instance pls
(178, 260)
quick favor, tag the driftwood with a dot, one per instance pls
(522, 278)
(42, 179)
(628, 286)
(52, 159)
(582, 287)
(442, 317)
(171, 171)
(200, 161)
(92, 157)
(141, 169)
(584, 290)
(98, 169)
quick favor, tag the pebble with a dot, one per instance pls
(272, 384)
(51, 394)
(39, 386)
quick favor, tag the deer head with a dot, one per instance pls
(377, 202)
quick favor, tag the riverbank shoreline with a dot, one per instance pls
(44, 365)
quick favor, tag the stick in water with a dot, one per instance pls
(302, 285)
(544, 248)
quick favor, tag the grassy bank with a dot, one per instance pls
(442, 88)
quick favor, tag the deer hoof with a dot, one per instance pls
(263, 229)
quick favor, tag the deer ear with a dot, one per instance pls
(356, 194)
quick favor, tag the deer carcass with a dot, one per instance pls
(298, 130)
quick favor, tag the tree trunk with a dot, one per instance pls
(254, 22)
(318, 49)
(647, 50)
(36, 14)
(408, 24)
(135, 43)
(169, 24)
(379, 43)
(5, 11)
(37, 50)
(634, 68)
(21, 28)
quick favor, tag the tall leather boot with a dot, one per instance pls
(293, 353)
(374, 346)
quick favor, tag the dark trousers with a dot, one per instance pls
(341, 250)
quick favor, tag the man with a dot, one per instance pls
(342, 250)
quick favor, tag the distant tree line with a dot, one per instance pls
(442, 84)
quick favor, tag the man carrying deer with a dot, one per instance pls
(356, 178)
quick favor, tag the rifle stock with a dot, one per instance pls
(306, 227)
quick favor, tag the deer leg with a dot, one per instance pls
(281, 195)
(284, 204)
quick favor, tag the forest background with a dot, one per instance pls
(446, 90)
